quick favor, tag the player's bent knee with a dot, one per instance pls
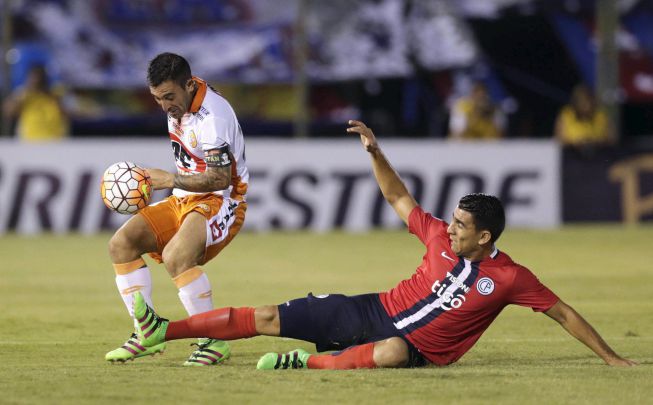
(391, 353)
(169, 256)
(267, 322)
(178, 258)
(132, 240)
(121, 250)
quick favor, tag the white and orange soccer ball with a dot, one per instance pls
(126, 187)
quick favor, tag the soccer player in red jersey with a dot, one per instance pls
(435, 317)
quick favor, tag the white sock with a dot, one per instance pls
(128, 284)
(196, 295)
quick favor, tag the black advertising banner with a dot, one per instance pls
(609, 184)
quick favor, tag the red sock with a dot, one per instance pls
(224, 323)
(354, 357)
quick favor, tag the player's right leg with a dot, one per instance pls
(356, 326)
(389, 353)
(126, 246)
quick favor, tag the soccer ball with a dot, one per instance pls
(126, 188)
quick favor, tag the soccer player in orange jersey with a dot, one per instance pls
(433, 317)
(204, 213)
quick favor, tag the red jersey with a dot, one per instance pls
(445, 307)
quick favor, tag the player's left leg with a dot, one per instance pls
(182, 257)
(208, 226)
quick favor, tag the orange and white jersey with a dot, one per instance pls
(209, 124)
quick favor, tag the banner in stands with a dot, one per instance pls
(317, 185)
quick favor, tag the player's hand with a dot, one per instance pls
(620, 362)
(161, 179)
(367, 136)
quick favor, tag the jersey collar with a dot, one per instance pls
(494, 253)
(199, 95)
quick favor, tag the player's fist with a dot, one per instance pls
(367, 136)
(161, 179)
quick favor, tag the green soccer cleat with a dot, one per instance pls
(297, 358)
(209, 352)
(133, 349)
(150, 327)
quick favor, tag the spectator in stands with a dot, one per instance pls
(476, 117)
(40, 114)
(582, 122)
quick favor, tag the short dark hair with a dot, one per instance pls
(487, 212)
(168, 66)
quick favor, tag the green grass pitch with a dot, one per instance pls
(61, 313)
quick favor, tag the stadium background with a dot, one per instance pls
(295, 71)
(301, 69)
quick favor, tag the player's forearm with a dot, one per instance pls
(213, 179)
(579, 328)
(389, 181)
(201, 183)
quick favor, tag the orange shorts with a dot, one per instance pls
(224, 218)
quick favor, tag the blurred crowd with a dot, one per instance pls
(463, 70)
(37, 112)
(579, 123)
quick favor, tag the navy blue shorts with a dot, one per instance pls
(336, 322)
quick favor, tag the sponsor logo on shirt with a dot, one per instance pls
(454, 280)
(193, 139)
(485, 286)
(446, 298)
(219, 224)
(446, 294)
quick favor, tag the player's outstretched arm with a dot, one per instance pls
(393, 189)
(213, 179)
(579, 328)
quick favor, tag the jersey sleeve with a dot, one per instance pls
(215, 133)
(425, 226)
(528, 291)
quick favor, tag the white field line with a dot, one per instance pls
(536, 340)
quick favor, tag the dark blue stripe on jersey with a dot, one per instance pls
(469, 282)
(429, 298)
(471, 279)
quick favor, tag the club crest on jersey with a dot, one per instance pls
(193, 139)
(485, 286)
